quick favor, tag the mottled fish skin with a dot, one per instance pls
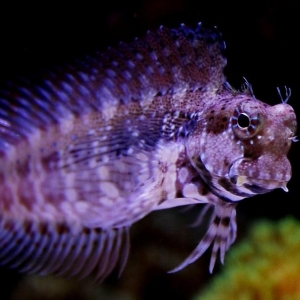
(91, 148)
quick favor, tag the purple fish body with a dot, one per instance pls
(89, 149)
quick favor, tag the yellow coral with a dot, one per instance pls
(266, 266)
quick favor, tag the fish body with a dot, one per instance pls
(88, 149)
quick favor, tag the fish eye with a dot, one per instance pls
(243, 121)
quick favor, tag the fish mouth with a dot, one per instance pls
(260, 175)
(258, 185)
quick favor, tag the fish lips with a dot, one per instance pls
(260, 175)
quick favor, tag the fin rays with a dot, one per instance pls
(162, 62)
(221, 233)
(54, 249)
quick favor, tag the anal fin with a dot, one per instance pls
(49, 248)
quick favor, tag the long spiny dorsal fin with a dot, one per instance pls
(163, 62)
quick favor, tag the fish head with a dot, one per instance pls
(240, 147)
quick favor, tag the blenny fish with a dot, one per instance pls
(90, 148)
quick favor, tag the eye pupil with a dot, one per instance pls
(243, 121)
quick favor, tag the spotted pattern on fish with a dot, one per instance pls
(88, 149)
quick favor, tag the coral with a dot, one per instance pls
(265, 266)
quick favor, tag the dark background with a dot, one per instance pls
(262, 45)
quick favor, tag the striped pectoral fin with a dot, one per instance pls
(44, 248)
(221, 233)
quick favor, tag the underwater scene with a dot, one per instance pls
(214, 182)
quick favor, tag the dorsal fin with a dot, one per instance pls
(165, 61)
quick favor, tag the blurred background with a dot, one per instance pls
(262, 39)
